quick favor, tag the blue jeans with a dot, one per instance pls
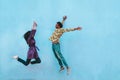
(58, 55)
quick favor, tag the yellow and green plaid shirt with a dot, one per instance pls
(58, 33)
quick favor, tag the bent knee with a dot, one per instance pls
(39, 61)
(26, 64)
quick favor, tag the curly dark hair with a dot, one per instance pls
(26, 35)
(60, 24)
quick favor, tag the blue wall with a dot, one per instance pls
(93, 53)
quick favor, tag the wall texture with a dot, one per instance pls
(92, 53)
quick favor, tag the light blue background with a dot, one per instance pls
(92, 53)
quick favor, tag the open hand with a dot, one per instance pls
(78, 28)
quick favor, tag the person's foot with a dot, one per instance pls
(68, 70)
(15, 57)
(61, 68)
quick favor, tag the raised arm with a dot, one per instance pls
(33, 31)
(64, 18)
(34, 27)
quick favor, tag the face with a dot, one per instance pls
(57, 26)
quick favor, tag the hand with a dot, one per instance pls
(34, 24)
(64, 17)
(78, 28)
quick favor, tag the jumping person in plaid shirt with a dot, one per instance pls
(56, 45)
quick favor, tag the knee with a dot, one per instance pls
(26, 64)
(39, 61)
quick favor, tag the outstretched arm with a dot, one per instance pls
(78, 28)
(72, 29)
(64, 18)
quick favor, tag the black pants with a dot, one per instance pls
(28, 61)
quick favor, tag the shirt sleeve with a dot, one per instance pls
(68, 30)
(32, 34)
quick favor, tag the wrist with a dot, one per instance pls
(75, 28)
(63, 19)
(34, 27)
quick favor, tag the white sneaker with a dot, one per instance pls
(15, 57)
(68, 70)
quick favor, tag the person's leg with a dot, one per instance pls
(24, 62)
(65, 63)
(62, 58)
(60, 55)
(37, 60)
(56, 55)
(54, 47)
